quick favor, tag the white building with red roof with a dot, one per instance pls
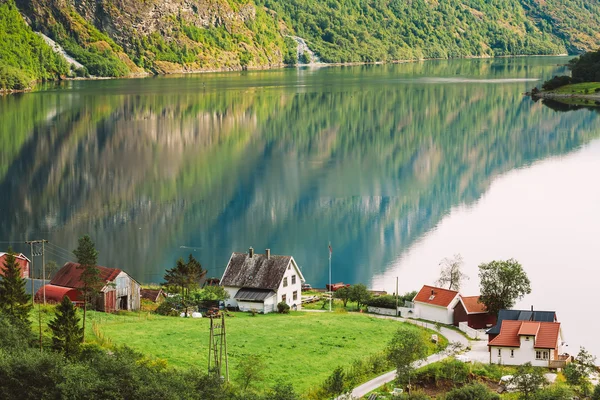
(519, 342)
(435, 304)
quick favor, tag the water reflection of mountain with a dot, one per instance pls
(292, 162)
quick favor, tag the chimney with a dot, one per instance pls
(250, 252)
(268, 253)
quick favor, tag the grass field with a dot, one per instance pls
(302, 348)
(591, 88)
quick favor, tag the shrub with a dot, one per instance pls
(475, 391)
(555, 393)
(556, 82)
(283, 308)
(168, 307)
(386, 301)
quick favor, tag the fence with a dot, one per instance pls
(382, 311)
(470, 332)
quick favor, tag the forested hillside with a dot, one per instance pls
(125, 37)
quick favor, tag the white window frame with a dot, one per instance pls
(512, 353)
(499, 353)
(538, 355)
(285, 282)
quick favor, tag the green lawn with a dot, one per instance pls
(302, 348)
(579, 88)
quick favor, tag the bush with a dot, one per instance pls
(555, 393)
(283, 308)
(386, 301)
(556, 82)
(168, 307)
(475, 391)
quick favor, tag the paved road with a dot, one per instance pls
(373, 384)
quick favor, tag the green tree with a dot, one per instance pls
(250, 371)
(184, 277)
(596, 393)
(451, 274)
(87, 257)
(555, 392)
(67, 335)
(343, 294)
(359, 294)
(577, 372)
(528, 380)
(406, 347)
(214, 293)
(335, 384)
(282, 391)
(502, 283)
(14, 301)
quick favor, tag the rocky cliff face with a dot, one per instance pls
(161, 36)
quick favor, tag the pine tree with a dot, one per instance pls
(14, 301)
(67, 335)
(87, 257)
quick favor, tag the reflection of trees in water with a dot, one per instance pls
(370, 167)
(563, 107)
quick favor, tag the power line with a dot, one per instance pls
(61, 249)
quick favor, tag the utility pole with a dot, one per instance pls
(31, 243)
(330, 288)
(396, 296)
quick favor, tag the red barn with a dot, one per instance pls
(21, 260)
(470, 310)
(119, 292)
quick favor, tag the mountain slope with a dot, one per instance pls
(125, 37)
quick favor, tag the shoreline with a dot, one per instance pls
(4, 92)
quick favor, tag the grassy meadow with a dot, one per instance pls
(302, 348)
(591, 88)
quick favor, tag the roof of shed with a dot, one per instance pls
(151, 294)
(546, 334)
(521, 315)
(258, 295)
(257, 272)
(435, 296)
(56, 293)
(70, 276)
(472, 305)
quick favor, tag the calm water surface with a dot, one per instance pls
(397, 165)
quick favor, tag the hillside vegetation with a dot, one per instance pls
(24, 56)
(125, 37)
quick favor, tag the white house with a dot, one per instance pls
(261, 281)
(435, 304)
(519, 342)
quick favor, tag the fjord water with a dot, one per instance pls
(397, 165)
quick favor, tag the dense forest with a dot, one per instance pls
(122, 37)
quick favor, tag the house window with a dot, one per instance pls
(293, 279)
(527, 338)
(499, 352)
(295, 295)
(283, 299)
(285, 282)
(538, 355)
(512, 353)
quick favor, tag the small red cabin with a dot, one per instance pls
(21, 260)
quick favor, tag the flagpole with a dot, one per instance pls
(330, 288)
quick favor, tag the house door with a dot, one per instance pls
(123, 303)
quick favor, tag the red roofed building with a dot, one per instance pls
(475, 314)
(519, 342)
(119, 292)
(21, 260)
(435, 304)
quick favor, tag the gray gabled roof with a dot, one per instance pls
(253, 295)
(256, 272)
(521, 315)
